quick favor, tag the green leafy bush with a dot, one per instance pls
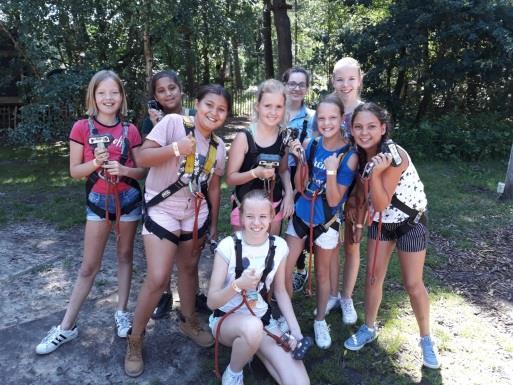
(458, 136)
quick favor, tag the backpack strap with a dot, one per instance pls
(302, 135)
(238, 256)
(269, 261)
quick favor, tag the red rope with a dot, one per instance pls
(198, 198)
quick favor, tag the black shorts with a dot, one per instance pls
(414, 240)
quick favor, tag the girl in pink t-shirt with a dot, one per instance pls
(173, 211)
(112, 191)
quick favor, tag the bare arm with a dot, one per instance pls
(77, 168)
(384, 179)
(334, 191)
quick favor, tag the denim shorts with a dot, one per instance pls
(125, 198)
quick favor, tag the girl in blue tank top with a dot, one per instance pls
(332, 164)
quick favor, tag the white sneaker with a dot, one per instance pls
(123, 322)
(232, 379)
(322, 334)
(349, 315)
(333, 302)
(55, 338)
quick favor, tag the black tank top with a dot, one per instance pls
(250, 162)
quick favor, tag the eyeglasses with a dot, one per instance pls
(294, 85)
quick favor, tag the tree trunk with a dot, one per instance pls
(20, 50)
(148, 54)
(282, 25)
(205, 50)
(236, 63)
(508, 185)
(267, 39)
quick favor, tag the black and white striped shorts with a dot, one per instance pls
(414, 240)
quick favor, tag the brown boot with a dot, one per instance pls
(134, 364)
(191, 327)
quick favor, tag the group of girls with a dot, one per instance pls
(311, 178)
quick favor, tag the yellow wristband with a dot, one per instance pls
(331, 172)
(235, 287)
(176, 150)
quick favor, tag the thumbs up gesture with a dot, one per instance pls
(249, 279)
(187, 145)
(331, 162)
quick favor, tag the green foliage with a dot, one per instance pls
(459, 136)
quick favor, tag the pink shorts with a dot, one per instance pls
(235, 215)
(177, 215)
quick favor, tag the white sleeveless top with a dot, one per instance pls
(256, 256)
(410, 191)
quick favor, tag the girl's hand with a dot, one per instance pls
(113, 167)
(381, 162)
(295, 148)
(331, 162)
(155, 115)
(249, 279)
(264, 172)
(287, 205)
(187, 145)
(101, 155)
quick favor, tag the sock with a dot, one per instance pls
(234, 374)
(302, 271)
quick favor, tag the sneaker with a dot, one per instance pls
(191, 327)
(362, 337)
(333, 302)
(349, 315)
(298, 281)
(123, 322)
(134, 364)
(201, 304)
(322, 334)
(430, 357)
(164, 306)
(55, 338)
(229, 378)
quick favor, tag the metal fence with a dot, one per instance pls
(242, 102)
(9, 116)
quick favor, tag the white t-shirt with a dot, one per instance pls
(256, 256)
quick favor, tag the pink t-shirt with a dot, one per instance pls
(171, 129)
(80, 134)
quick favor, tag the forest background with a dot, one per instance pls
(443, 68)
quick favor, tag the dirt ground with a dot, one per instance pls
(39, 265)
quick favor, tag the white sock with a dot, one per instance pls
(235, 374)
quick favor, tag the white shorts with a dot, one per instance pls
(327, 241)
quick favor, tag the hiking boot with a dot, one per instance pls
(191, 327)
(430, 357)
(298, 281)
(322, 334)
(163, 307)
(123, 322)
(363, 336)
(333, 302)
(229, 378)
(201, 304)
(349, 315)
(134, 364)
(55, 338)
